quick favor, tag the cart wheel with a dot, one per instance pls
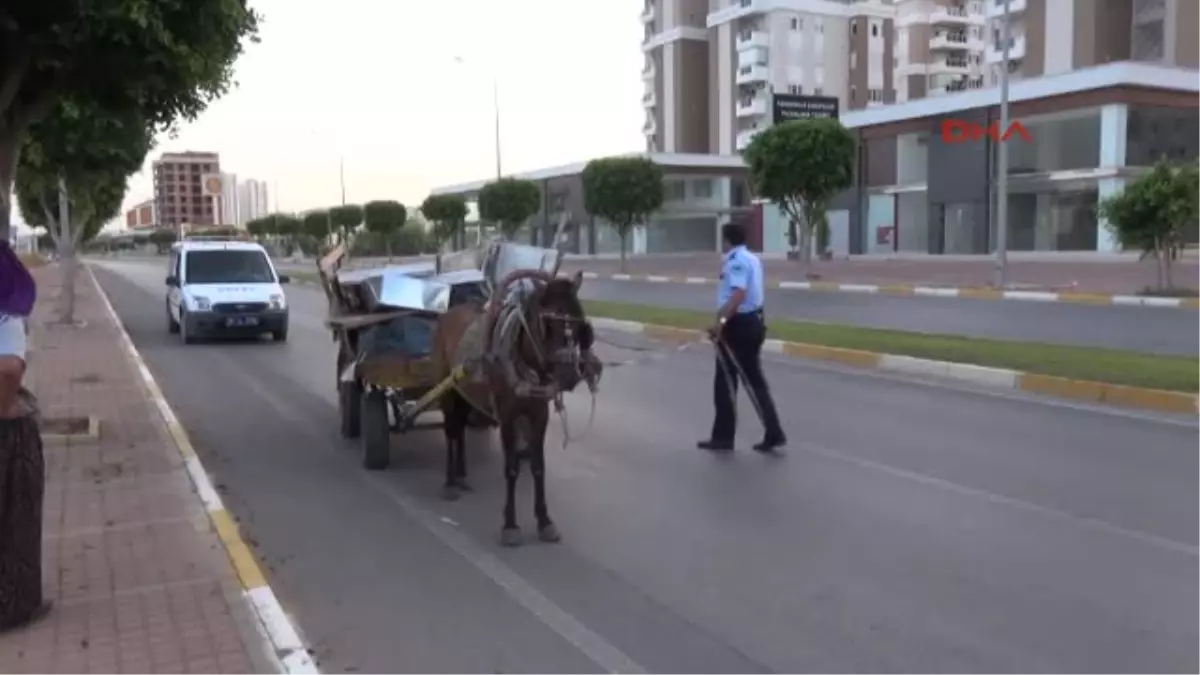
(350, 407)
(376, 432)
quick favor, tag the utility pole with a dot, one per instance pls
(496, 105)
(1001, 276)
(342, 176)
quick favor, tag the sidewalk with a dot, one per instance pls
(139, 580)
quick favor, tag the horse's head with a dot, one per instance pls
(560, 335)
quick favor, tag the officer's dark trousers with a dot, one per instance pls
(743, 335)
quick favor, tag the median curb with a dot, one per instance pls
(902, 290)
(275, 625)
(996, 378)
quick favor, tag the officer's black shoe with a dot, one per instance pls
(715, 446)
(770, 446)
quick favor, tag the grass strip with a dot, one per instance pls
(1111, 366)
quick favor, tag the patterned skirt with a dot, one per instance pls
(22, 483)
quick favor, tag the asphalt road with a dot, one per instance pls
(911, 526)
(1144, 329)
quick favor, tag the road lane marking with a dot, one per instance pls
(1094, 524)
(591, 644)
(285, 647)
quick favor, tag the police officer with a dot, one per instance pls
(741, 330)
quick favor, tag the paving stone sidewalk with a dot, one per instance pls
(138, 578)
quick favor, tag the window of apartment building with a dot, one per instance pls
(874, 30)
(820, 24)
(853, 94)
(702, 188)
(797, 23)
(795, 89)
(853, 59)
(673, 190)
(875, 95)
(1147, 41)
(854, 28)
(817, 91)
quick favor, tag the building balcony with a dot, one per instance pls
(952, 65)
(744, 137)
(957, 86)
(650, 127)
(749, 39)
(649, 71)
(752, 107)
(954, 16)
(995, 8)
(649, 99)
(648, 14)
(751, 74)
(1016, 50)
(949, 41)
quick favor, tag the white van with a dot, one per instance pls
(224, 287)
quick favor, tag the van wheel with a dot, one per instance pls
(187, 330)
(376, 431)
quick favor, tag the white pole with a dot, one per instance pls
(1001, 276)
(496, 105)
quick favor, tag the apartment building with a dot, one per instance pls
(179, 191)
(252, 201)
(142, 216)
(712, 65)
(940, 47)
(1048, 37)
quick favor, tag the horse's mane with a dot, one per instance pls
(562, 293)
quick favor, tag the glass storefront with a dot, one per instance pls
(1152, 133)
(1059, 142)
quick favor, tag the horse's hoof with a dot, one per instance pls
(549, 533)
(463, 486)
(510, 537)
(450, 493)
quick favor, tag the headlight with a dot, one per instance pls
(277, 301)
(201, 303)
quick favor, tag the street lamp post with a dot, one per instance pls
(496, 109)
(1001, 271)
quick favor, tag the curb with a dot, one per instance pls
(901, 290)
(286, 646)
(996, 378)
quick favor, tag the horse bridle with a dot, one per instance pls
(533, 321)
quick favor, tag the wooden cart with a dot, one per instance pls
(383, 321)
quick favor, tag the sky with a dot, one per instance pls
(376, 84)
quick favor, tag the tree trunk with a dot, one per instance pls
(624, 237)
(1168, 265)
(70, 272)
(9, 153)
(387, 244)
(1160, 264)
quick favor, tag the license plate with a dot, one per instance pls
(241, 321)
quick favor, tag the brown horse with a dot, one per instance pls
(539, 351)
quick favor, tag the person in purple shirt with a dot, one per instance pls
(22, 470)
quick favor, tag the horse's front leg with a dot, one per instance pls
(510, 535)
(547, 530)
(454, 412)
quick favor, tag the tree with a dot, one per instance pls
(165, 60)
(385, 218)
(624, 191)
(162, 238)
(448, 213)
(802, 165)
(1155, 213)
(258, 227)
(509, 202)
(80, 155)
(317, 224)
(346, 218)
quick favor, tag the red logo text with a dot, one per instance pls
(962, 131)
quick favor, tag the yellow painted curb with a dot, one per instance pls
(1113, 394)
(243, 560)
(1191, 303)
(1085, 298)
(853, 357)
(1061, 387)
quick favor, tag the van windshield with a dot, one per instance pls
(228, 267)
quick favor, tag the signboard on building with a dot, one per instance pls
(788, 107)
(212, 183)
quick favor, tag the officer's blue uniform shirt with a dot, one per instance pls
(741, 269)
